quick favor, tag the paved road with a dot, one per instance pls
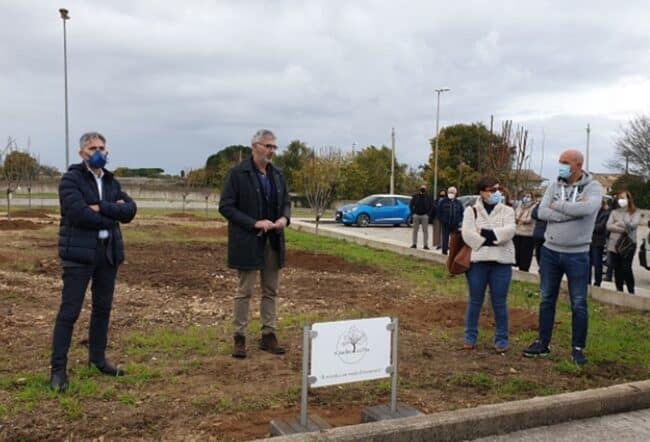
(402, 236)
(623, 427)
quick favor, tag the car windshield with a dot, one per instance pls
(369, 200)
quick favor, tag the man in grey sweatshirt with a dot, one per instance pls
(569, 206)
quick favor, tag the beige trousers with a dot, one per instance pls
(269, 279)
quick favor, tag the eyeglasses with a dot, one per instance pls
(269, 146)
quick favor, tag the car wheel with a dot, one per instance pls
(363, 220)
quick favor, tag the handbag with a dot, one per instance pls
(459, 258)
(625, 246)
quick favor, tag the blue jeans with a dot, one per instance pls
(576, 267)
(479, 276)
(596, 264)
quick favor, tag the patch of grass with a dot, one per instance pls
(480, 381)
(84, 388)
(299, 320)
(4, 411)
(31, 390)
(71, 407)
(138, 374)
(517, 386)
(567, 367)
(172, 342)
(126, 399)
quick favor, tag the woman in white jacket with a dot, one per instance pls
(489, 233)
(623, 220)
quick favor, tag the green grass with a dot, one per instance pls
(71, 406)
(139, 374)
(127, 399)
(479, 381)
(173, 342)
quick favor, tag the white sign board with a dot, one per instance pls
(350, 351)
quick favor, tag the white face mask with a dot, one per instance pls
(622, 203)
(451, 196)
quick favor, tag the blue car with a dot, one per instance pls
(376, 209)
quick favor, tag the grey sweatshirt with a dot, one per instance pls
(570, 211)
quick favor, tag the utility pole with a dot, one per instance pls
(64, 18)
(435, 155)
(392, 162)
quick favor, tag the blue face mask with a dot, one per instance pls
(564, 171)
(526, 200)
(97, 160)
(496, 197)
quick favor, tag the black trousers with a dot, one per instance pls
(524, 246)
(623, 271)
(75, 282)
(539, 242)
(446, 230)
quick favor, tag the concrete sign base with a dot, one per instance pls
(292, 426)
(382, 412)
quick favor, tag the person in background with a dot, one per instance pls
(624, 220)
(420, 205)
(538, 233)
(488, 230)
(437, 225)
(523, 240)
(598, 241)
(450, 213)
(609, 273)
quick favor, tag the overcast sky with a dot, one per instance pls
(170, 83)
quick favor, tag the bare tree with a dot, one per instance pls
(318, 179)
(17, 168)
(632, 152)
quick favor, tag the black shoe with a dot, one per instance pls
(607, 279)
(59, 381)
(414, 246)
(578, 357)
(106, 368)
(426, 247)
(537, 349)
(270, 343)
(438, 247)
(239, 347)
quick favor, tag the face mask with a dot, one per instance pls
(564, 171)
(622, 203)
(452, 196)
(97, 160)
(421, 190)
(526, 200)
(496, 197)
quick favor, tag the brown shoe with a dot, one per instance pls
(500, 350)
(467, 346)
(239, 349)
(270, 343)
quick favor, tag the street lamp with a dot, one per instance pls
(435, 155)
(64, 17)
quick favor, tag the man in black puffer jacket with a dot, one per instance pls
(90, 247)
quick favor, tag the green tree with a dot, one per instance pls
(291, 161)
(464, 153)
(219, 164)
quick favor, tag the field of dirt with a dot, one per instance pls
(171, 329)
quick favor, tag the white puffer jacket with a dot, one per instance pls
(501, 221)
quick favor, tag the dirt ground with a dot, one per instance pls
(176, 279)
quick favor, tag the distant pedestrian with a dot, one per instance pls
(421, 204)
(450, 213)
(437, 225)
(488, 229)
(623, 221)
(569, 206)
(523, 240)
(598, 242)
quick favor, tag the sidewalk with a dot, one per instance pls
(398, 240)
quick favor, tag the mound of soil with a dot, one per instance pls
(30, 213)
(20, 224)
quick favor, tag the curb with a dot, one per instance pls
(600, 294)
(487, 420)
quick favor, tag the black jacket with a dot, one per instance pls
(421, 201)
(80, 225)
(450, 213)
(241, 205)
(599, 237)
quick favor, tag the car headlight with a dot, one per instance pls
(350, 210)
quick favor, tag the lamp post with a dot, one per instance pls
(392, 162)
(64, 17)
(435, 155)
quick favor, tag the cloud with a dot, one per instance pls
(170, 83)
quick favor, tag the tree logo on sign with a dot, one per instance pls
(352, 346)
